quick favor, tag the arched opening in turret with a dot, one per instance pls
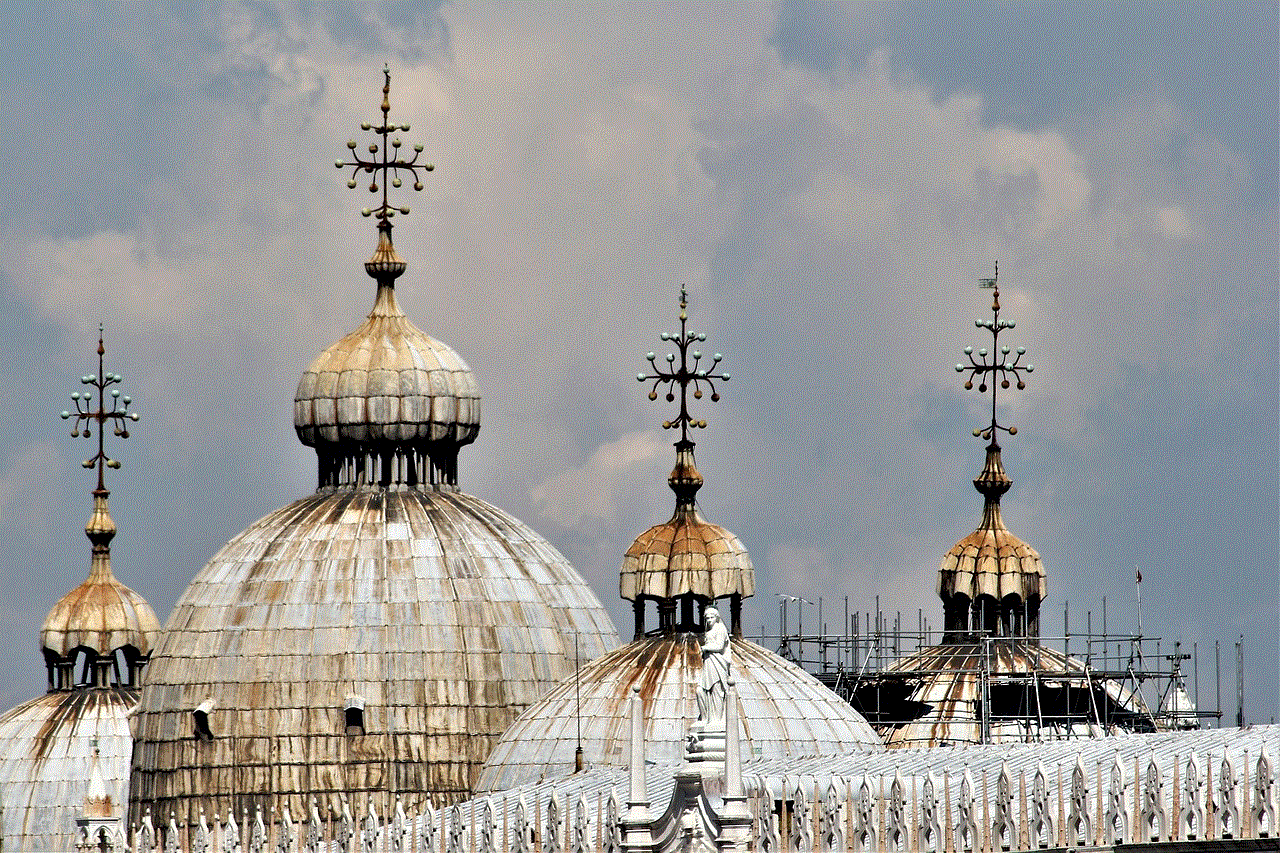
(1033, 616)
(955, 612)
(88, 668)
(1012, 618)
(52, 663)
(128, 662)
(986, 615)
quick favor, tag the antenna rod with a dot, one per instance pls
(1217, 679)
(1240, 682)
(577, 695)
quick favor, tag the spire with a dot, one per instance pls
(991, 581)
(387, 406)
(687, 559)
(387, 168)
(101, 529)
(101, 615)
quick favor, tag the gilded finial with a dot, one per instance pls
(86, 415)
(689, 373)
(386, 166)
(994, 366)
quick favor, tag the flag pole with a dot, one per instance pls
(1138, 584)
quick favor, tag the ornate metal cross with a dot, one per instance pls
(688, 373)
(987, 368)
(85, 416)
(385, 170)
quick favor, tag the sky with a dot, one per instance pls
(830, 182)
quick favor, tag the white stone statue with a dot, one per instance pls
(714, 681)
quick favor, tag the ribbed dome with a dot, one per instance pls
(687, 557)
(991, 581)
(687, 554)
(387, 390)
(101, 614)
(992, 561)
(381, 634)
(439, 615)
(785, 711)
(46, 749)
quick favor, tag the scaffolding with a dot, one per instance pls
(1079, 682)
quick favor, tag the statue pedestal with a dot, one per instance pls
(705, 746)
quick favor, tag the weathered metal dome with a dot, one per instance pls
(357, 640)
(101, 615)
(943, 690)
(387, 393)
(991, 581)
(73, 742)
(682, 566)
(48, 744)
(686, 555)
(785, 712)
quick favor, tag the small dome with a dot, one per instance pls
(686, 555)
(785, 712)
(992, 561)
(46, 748)
(387, 389)
(991, 581)
(101, 614)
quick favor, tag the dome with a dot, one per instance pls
(686, 555)
(438, 615)
(785, 712)
(47, 746)
(101, 615)
(69, 750)
(387, 390)
(684, 566)
(991, 561)
(991, 581)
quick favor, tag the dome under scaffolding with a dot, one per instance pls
(988, 677)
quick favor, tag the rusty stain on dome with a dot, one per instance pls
(786, 712)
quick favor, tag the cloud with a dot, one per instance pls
(591, 492)
(829, 223)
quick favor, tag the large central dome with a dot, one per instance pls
(362, 639)
(379, 635)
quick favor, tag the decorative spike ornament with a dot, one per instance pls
(86, 416)
(690, 373)
(994, 367)
(386, 165)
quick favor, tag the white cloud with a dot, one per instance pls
(593, 490)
